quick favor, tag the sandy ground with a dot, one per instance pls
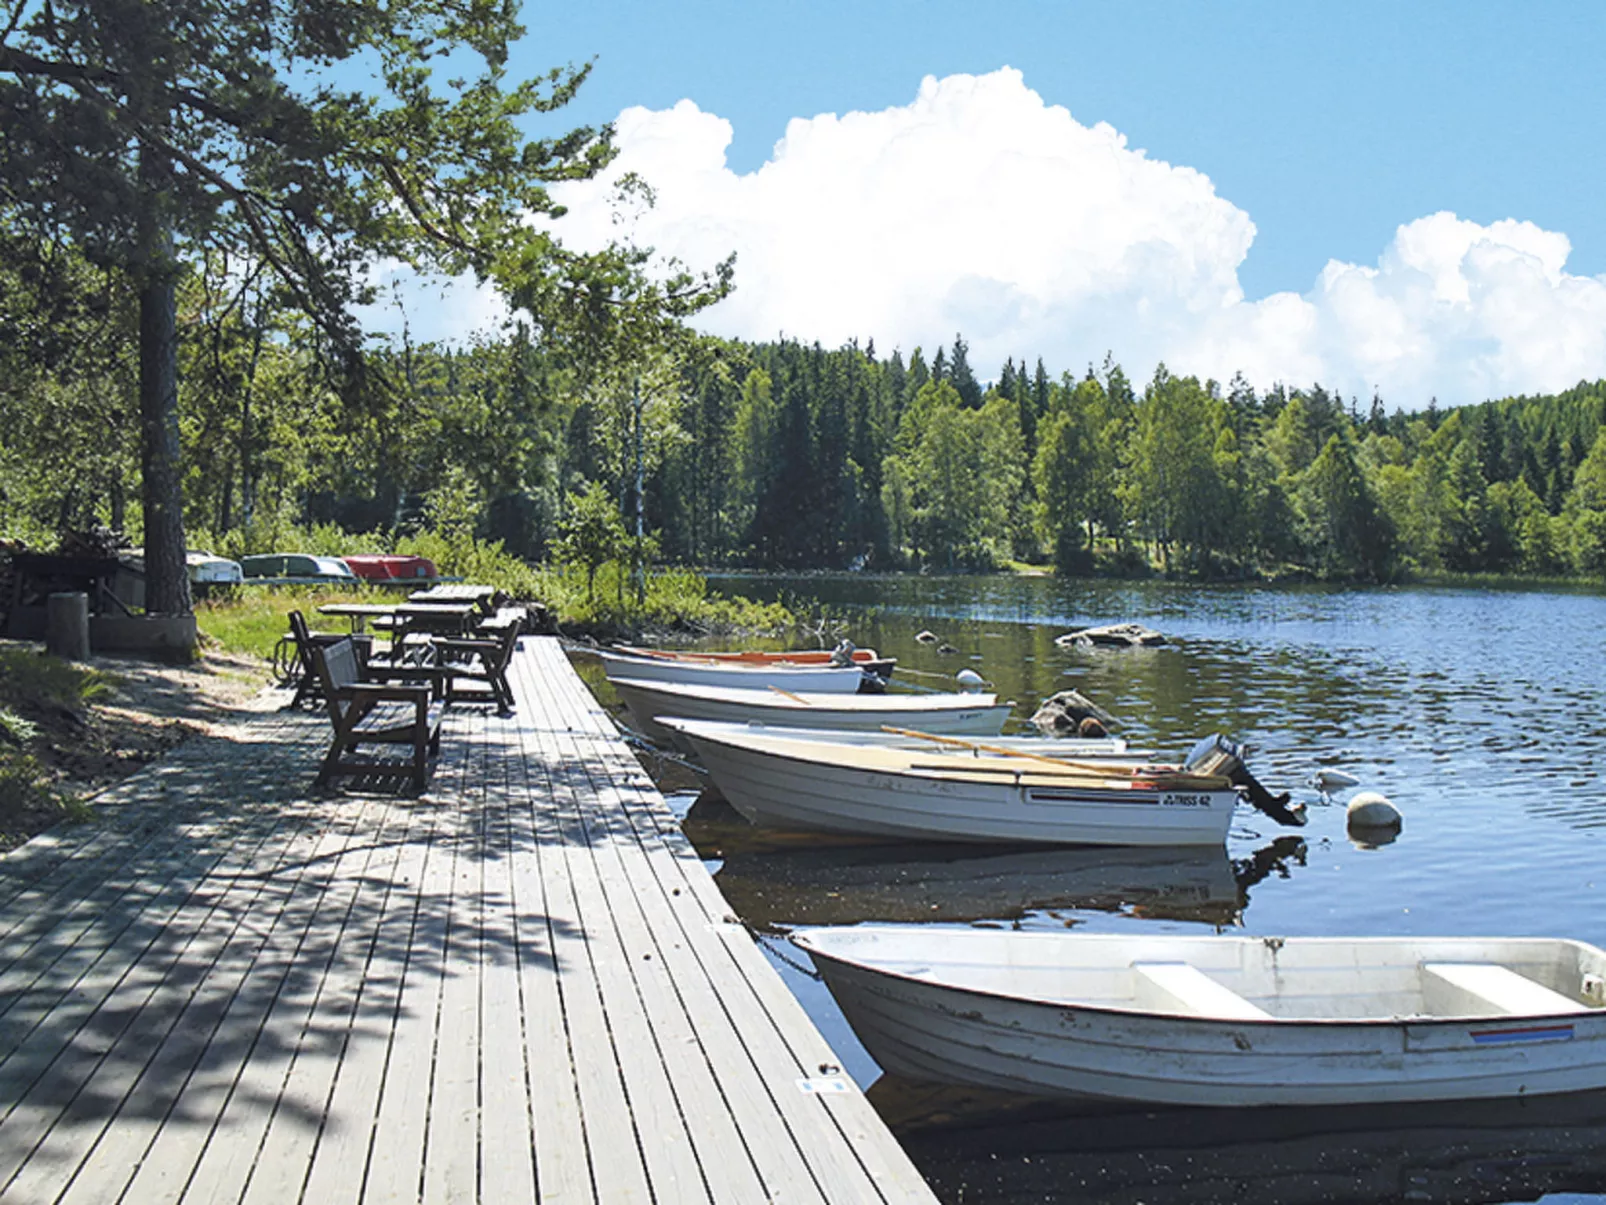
(150, 708)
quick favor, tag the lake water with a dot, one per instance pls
(1481, 714)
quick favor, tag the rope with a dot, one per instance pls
(771, 942)
(923, 673)
(634, 739)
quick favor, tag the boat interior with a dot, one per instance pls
(1268, 979)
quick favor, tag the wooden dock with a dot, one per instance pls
(522, 986)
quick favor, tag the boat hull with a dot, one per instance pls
(950, 715)
(1062, 1045)
(803, 787)
(821, 679)
(866, 659)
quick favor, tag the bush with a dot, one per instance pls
(676, 599)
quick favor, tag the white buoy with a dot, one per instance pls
(970, 682)
(1372, 809)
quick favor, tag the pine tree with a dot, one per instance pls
(964, 381)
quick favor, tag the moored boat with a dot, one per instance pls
(1233, 1021)
(821, 679)
(866, 659)
(942, 794)
(970, 714)
(1070, 749)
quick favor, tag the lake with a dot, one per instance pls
(1480, 713)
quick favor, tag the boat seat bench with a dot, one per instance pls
(1484, 988)
(1177, 987)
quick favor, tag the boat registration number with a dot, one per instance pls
(1174, 800)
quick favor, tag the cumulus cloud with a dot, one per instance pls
(978, 208)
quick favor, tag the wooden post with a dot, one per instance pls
(67, 626)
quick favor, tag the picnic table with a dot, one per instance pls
(358, 613)
(435, 618)
(482, 597)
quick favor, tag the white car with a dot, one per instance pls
(206, 569)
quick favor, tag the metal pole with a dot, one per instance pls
(639, 570)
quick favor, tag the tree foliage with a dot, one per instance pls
(153, 139)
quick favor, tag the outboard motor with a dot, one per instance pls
(1217, 755)
(843, 653)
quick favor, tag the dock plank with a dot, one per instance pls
(143, 1013)
(828, 1129)
(521, 986)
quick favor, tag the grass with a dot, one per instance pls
(30, 681)
(254, 620)
(37, 694)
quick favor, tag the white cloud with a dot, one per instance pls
(978, 208)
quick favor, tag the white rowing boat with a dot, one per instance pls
(1223, 1020)
(1069, 749)
(973, 714)
(866, 659)
(935, 793)
(821, 679)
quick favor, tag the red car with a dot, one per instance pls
(376, 568)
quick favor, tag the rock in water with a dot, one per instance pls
(1113, 635)
(1062, 714)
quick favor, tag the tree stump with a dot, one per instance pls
(67, 626)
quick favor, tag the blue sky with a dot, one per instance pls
(1331, 124)
(1326, 126)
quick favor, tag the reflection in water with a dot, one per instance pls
(980, 1148)
(966, 883)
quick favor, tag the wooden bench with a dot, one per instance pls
(1177, 987)
(1478, 989)
(305, 640)
(374, 713)
(475, 670)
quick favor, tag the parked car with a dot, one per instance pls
(206, 569)
(395, 568)
(297, 567)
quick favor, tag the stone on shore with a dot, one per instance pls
(1062, 714)
(1112, 635)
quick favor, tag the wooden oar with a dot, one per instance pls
(795, 698)
(1108, 769)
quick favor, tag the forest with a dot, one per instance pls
(784, 455)
(196, 204)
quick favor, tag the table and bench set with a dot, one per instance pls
(449, 644)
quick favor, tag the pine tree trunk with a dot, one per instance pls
(167, 586)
